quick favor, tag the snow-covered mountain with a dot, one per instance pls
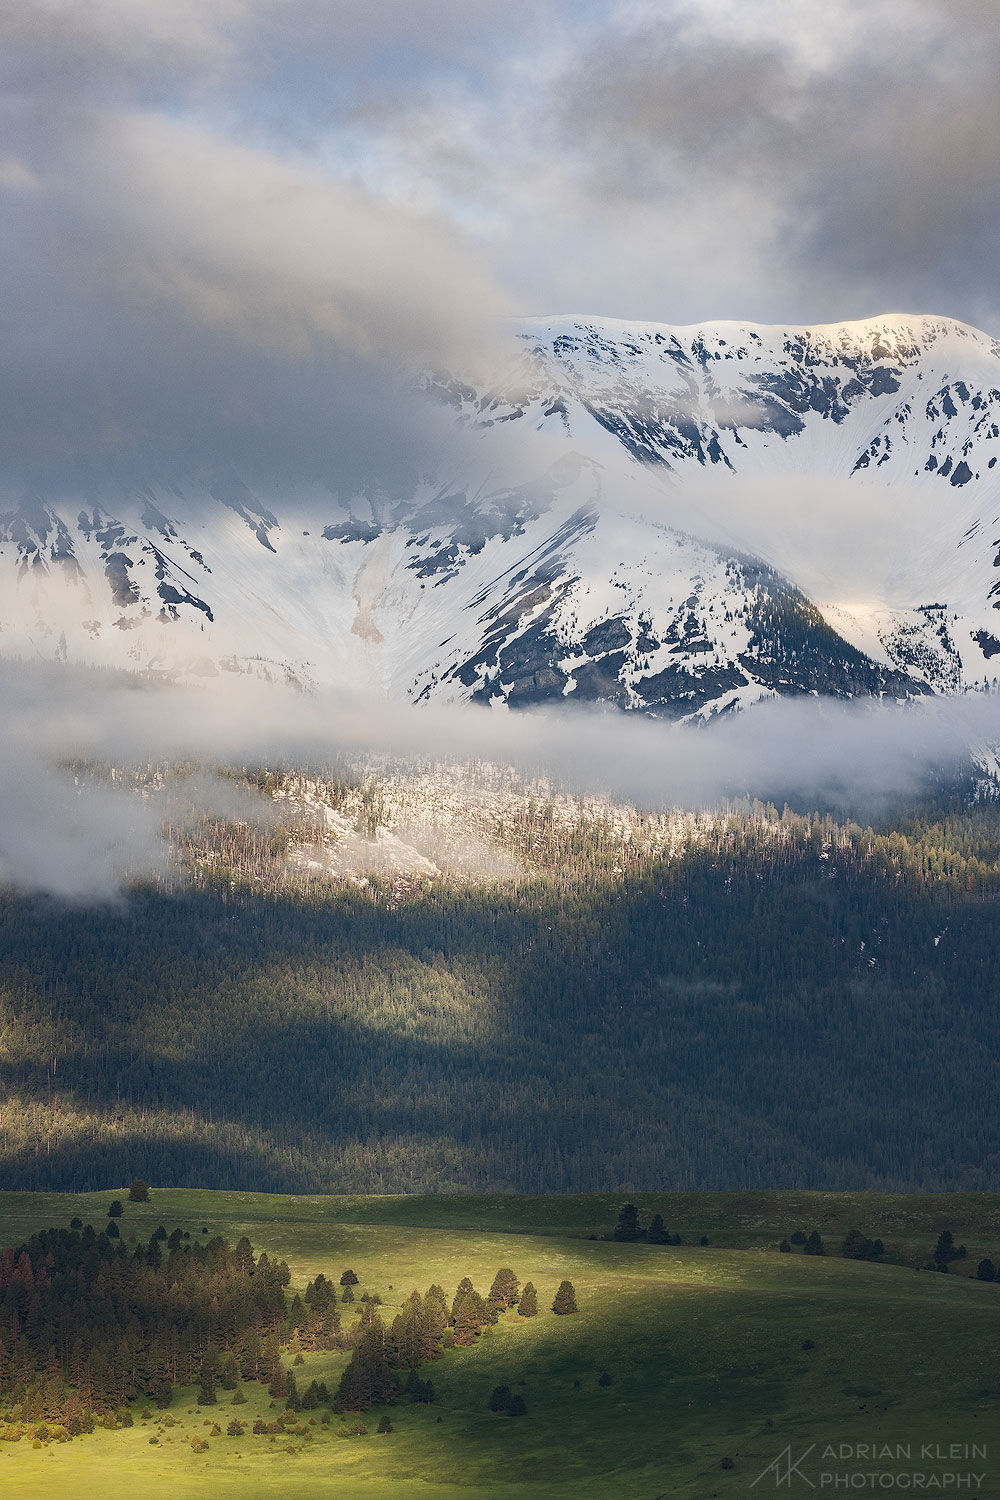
(673, 520)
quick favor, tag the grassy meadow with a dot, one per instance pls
(704, 1344)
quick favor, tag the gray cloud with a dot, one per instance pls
(180, 298)
(227, 225)
(861, 147)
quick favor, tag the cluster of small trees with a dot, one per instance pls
(423, 1329)
(856, 1246)
(314, 1320)
(505, 1400)
(628, 1229)
(946, 1251)
(811, 1244)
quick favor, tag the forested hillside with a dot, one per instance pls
(780, 1001)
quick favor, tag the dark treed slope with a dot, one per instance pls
(787, 1003)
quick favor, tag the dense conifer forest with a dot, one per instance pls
(784, 1001)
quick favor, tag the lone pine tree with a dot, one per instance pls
(565, 1299)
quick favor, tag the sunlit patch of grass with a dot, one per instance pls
(712, 1352)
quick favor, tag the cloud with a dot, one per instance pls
(810, 526)
(78, 837)
(275, 254)
(75, 842)
(862, 143)
(228, 225)
(180, 298)
(693, 159)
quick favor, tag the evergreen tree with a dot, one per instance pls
(408, 1333)
(628, 1227)
(348, 1278)
(656, 1234)
(433, 1322)
(464, 1288)
(470, 1318)
(435, 1293)
(504, 1291)
(139, 1191)
(328, 1332)
(528, 1305)
(986, 1270)
(814, 1244)
(945, 1251)
(565, 1299)
(270, 1359)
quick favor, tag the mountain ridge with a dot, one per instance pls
(603, 529)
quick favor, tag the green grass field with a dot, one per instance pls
(704, 1343)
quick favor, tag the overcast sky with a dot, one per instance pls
(188, 184)
(683, 159)
(227, 225)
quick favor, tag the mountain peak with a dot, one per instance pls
(633, 513)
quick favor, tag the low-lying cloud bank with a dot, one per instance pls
(74, 836)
